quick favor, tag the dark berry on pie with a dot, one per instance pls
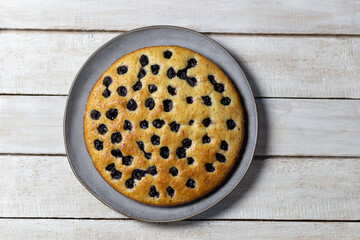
(106, 93)
(130, 183)
(191, 63)
(209, 167)
(116, 153)
(182, 74)
(122, 70)
(131, 105)
(153, 192)
(190, 183)
(189, 100)
(158, 123)
(147, 155)
(122, 91)
(219, 87)
(112, 113)
(206, 139)
(127, 125)
(191, 122)
(173, 171)
(116, 137)
(168, 105)
(99, 145)
(190, 160)
(174, 127)
(171, 90)
(164, 152)
(219, 157)
(225, 101)
(102, 129)
(127, 160)
(212, 79)
(95, 115)
(152, 88)
(180, 152)
(206, 122)
(137, 86)
(138, 174)
(140, 145)
(224, 145)
(141, 73)
(150, 103)
(144, 60)
(186, 142)
(116, 174)
(152, 170)
(107, 81)
(171, 73)
(155, 139)
(144, 124)
(110, 167)
(167, 54)
(155, 69)
(230, 124)
(207, 100)
(170, 191)
(192, 81)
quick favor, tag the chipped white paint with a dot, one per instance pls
(273, 188)
(47, 62)
(33, 124)
(248, 16)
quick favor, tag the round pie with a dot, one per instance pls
(163, 125)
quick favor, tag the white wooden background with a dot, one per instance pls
(303, 61)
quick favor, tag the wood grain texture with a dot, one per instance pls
(31, 124)
(273, 188)
(308, 127)
(125, 229)
(47, 62)
(288, 127)
(250, 16)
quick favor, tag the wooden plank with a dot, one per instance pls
(308, 127)
(273, 188)
(125, 229)
(31, 124)
(47, 62)
(288, 127)
(250, 16)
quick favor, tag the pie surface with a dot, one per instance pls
(163, 125)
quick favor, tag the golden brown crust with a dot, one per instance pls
(181, 113)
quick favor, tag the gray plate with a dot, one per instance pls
(78, 156)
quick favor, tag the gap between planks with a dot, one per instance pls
(325, 35)
(187, 220)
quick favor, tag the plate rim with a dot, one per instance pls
(149, 28)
